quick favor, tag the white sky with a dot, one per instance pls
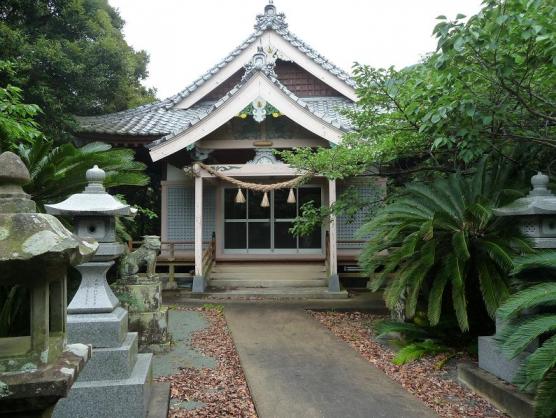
(185, 38)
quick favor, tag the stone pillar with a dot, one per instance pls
(117, 382)
(199, 281)
(333, 280)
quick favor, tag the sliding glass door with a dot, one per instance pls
(251, 228)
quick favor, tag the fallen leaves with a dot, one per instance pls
(223, 391)
(438, 388)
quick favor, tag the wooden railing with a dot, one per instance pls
(209, 255)
(168, 248)
(170, 256)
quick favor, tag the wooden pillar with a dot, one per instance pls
(198, 226)
(333, 262)
(333, 281)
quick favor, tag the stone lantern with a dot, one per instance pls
(94, 215)
(536, 213)
(36, 366)
(536, 216)
(117, 381)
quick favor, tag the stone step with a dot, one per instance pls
(276, 293)
(268, 267)
(114, 362)
(285, 275)
(266, 283)
(126, 398)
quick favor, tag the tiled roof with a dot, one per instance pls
(160, 121)
(266, 21)
(161, 118)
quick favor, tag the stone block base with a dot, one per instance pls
(126, 398)
(144, 295)
(151, 326)
(100, 330)
(494, 362)
(199, 284)
(334, 283)
(112, 363)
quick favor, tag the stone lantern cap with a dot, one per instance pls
(27, 236)
(539, 201)
(94, 200)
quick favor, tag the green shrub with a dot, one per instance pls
(442, 243)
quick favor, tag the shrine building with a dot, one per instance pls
(227, 200)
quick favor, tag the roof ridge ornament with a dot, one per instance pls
(260, 62)
(271, 19)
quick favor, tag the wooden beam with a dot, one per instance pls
(253, 170)
(216, 144)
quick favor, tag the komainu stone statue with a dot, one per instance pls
(145, 255)
(141, 294)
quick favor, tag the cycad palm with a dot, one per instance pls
(444, 237)
(57, 172)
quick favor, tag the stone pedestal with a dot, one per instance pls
(117, 381)
(494, 362)
(142, 297)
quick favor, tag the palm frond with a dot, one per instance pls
(542, 259)
(436, 295)
(527, 299)
(458, 295)
(493, 288)
(416, 350)
(545, 401)
(540, 361)
(516, 336)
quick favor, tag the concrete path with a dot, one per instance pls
(296, 368)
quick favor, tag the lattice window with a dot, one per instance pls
(368, 190)
(181, 214)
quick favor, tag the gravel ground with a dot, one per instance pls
(437, 387)
(220, 391)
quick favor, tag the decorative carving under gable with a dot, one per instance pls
(259, 109)
(200, 154)
(259, 62)
(264, 156)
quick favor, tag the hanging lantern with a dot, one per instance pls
(240, 198)
(291, 197)
(265, 202)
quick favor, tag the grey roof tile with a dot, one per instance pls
(276, 22)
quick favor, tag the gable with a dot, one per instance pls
(257, 87)
(273, 36)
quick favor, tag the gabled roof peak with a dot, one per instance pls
(270, 19)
